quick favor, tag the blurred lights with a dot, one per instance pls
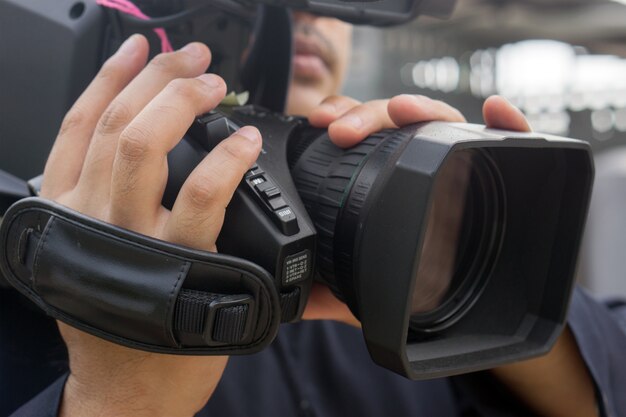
(544, 78)
(550, 122)
(603, 120)
(620, 119)
(436, 74)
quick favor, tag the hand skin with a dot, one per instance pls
(109, 162)
(557, 384)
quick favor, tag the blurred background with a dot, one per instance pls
(563, 62)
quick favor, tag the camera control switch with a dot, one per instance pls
(272, 199)
(267, 189)
(276, 203)
(286, 221)
(216, 127)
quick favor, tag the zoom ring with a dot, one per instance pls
(323, 177)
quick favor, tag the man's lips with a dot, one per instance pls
(309, 66)
(308, 59)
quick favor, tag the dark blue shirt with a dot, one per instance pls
(324, 369)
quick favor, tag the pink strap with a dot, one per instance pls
(127, 7)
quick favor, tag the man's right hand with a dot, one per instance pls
(110, 162)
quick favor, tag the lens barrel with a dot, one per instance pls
(324, 175)
(461, 238)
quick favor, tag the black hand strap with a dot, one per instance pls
(135, 290)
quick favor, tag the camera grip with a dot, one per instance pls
(134, 290)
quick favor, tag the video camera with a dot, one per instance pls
(455, 245)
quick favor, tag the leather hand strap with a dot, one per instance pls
(135, 290)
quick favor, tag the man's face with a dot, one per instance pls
(321, 54)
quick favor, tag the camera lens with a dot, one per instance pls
(463, 231)
(324, 175)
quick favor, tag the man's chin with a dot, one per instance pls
(304, 96)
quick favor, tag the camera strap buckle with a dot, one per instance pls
(135, 290)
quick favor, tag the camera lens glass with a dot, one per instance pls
(460, 239)
(462, 231)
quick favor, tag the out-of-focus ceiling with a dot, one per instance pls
(599, 25)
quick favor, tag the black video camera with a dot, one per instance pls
(455, 245)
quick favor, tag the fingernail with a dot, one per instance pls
(194, 49)
(129, 46)
(249, 133)
(352, 120)
(211, 80)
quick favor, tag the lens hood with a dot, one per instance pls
(518, 302)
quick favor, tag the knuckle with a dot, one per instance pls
(168, 63)
(376, 110)
(135, 144)
(189, 88)
(74, 119)
(342, 103)
(232, 153)
(333, 99)
(173, 114)
(377, 104)
(202, 191)
(346, 101)
(114, 118)
(111, 71)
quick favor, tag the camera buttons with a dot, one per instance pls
(286, 221)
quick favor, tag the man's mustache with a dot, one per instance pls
(309, 39)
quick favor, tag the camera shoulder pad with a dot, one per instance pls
(135, 290)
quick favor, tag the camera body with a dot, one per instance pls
(359, 221)
(266, 220)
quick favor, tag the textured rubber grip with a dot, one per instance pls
(323, 175)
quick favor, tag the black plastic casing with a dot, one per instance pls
(47, 59)
(522, 309)
(372, 12)
(51, 50)
(250, 229)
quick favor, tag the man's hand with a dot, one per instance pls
(557, 384)
(350, 121)
(110, 162)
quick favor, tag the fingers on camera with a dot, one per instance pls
(499, 113)
(198, 212)
(139, 166)
(407, 109)
(360, 122)
(157, 76)
(330, 109)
